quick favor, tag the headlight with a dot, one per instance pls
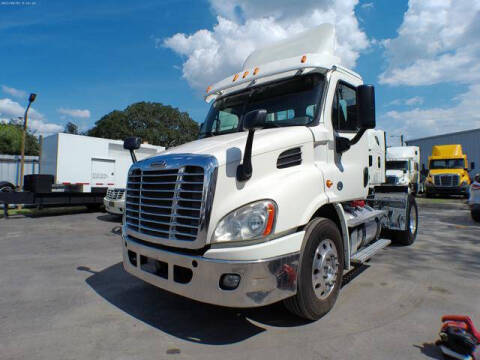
(252, 221)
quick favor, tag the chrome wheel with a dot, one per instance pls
(412, 225)
(325, 268)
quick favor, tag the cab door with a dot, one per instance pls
(346, 172)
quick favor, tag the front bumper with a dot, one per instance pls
(262, 282)
(450, 190)
(115, 207)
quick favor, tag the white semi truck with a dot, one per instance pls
(278, 198)
(403, 167)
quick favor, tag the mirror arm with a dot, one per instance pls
(134, 157)
(357, 137)
(244, 170)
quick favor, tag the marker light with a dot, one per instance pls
(245, 74)
(255, 72)
(208, 89)
(304, 58)
(235, 77)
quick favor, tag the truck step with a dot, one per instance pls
(365, 254)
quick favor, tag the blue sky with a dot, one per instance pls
(85, 59)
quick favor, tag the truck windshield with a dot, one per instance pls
(397, 165)
(288, 102)
(447, 164)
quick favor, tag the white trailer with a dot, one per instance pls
(84, 162)
(76, 170)
(403, 167)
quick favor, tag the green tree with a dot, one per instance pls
(71, 128)
(155, 123)
(11, 140)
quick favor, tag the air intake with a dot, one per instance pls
(288, 158)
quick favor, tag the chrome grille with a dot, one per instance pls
(115, 194)
(169, 206)
(446, 180)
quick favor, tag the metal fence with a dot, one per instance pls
(10, 167)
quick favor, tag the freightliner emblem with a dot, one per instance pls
(160, 164)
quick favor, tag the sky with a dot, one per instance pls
(85, 59)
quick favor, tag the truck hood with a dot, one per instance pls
(447, 171)
(230, 147)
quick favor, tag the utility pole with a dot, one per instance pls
(31, 99)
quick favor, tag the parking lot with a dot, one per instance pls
(65, 295)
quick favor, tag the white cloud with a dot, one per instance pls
(14, 92)
(10, 109)
(437, 42)
(464, 115)
(416, 100)
(76, 113)
(243, 25)
(367, 5)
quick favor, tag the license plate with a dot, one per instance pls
(111, 204)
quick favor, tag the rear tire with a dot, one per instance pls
(5, 186)
(407, 237)
(321, 271)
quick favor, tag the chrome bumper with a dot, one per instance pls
(262, 282)
(114, 206)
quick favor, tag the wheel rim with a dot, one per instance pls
(413, 220)
(324, 269)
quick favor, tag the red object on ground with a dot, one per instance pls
(461, 321)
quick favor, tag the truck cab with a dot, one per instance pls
(447, 171)
(276, 199)
(403, 167)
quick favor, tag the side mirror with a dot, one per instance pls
(132, 143)
(255, 119)
(366, 106)
(252, 121)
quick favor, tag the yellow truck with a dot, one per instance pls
(447, 171)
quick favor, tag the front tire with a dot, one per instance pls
(321, 271)
(408, 236)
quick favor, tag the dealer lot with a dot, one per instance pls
(65, 295)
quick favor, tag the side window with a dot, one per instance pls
(344, 111)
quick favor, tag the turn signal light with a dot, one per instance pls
(329, 183)
(304, 58)
(271, 217)
(235, 77)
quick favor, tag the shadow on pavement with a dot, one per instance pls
(430, 350)
(184, 318)
(110, 218)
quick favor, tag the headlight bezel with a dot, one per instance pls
(222, 235)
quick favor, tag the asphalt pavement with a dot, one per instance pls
(65, 295)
